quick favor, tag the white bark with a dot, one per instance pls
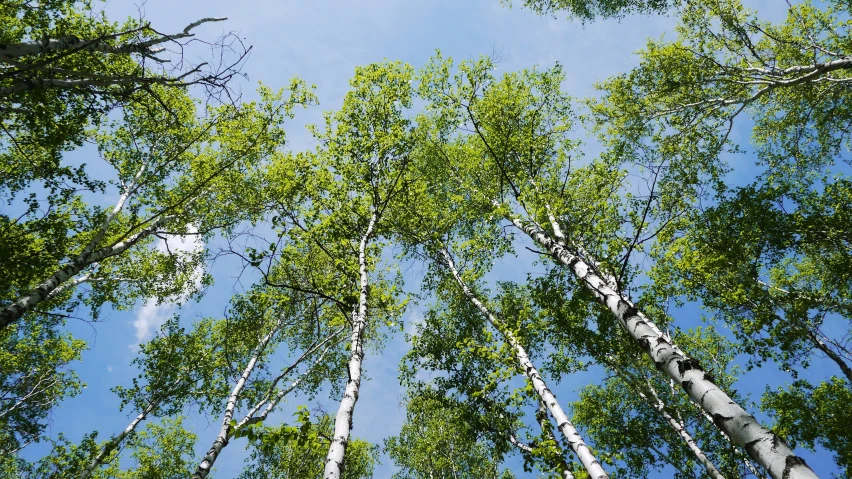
(544, 423)
(102, 44)
(221, 440)
(116, 441)
(343, 419)
(658, 405)
(748, 464)
(250, 417)
(766, 448)
(40, 293)
(569, 432)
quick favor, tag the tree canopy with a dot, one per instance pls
(634, 211)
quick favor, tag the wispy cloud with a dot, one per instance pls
(413, 319)
(149, 318)
(152, 314)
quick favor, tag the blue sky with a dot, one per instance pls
(322, 41)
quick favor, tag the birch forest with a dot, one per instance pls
(455, 270)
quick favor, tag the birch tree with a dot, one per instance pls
(268, 324)
(520, 141)
(297, 451)
(653, 424)
(569, 432)
(65, 66)
(363, 159)
(174, 177)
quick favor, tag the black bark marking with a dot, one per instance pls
(631, 312)
(751, 447)
(790, 463)
(687, 386)
(687, 365)
(636, 324)
(645, 344)
(719, 420)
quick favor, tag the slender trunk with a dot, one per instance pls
(820, 344)
(69, 285)
(544, 423)
(763, 445)
(250, 418)
(116, 441)
(42, 292)
(343, 419)
(221, 440)
(569, 432)
(101, 44)
(523, 447)
(658, 405)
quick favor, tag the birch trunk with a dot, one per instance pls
(221, 440)
(544, 423)
(42, 292)
(270, 401)
(102, 44)
(748, 464)
(569, 432)
(766, 448)
(116, 441)
(343, 419)
(658, 405)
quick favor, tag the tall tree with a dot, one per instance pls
(65, 66)
(297, 451)
(329, 209)
(569, 432)
(177, 175)
(268, 323)
(517, 166)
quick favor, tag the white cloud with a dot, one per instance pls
(186, 243)
(152, 315)
(109, 369)
(413, 319)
